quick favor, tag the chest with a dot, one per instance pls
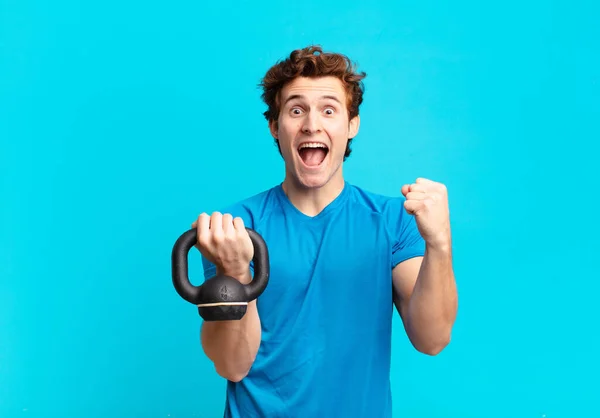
(335, 271)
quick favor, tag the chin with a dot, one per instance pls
(311, 182)
(315, 177)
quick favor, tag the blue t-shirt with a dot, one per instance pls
(326, 314)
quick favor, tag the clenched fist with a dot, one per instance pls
(225, 242)
(427, 200)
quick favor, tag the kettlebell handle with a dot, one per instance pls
(193, 294)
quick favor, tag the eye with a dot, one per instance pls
(295, 111)
(329, 111)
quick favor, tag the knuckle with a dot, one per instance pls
(217, 235)
(203, 241)
(217, 241)
(229, 236)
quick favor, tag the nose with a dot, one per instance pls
(311, 124)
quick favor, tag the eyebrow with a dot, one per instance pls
(298, 96)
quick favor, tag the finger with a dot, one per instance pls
(240, 228)
(413, 206)
(203, 228)
(422, 180)
(228, 224)
(216, 226)
(238, 224)
(195, 223)
(405, 189)
(416, 196)
(415, 187)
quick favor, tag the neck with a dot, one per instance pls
(312, 200)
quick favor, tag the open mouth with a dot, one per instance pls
(313, 153)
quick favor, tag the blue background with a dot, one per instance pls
(121, 121)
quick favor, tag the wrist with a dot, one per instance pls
(241, 274)
(439, 245)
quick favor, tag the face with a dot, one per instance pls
(313, 129)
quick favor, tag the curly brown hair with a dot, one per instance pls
(311, 61)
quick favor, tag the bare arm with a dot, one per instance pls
(426, 298)
(232, 345)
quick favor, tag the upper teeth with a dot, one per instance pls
(312, 145)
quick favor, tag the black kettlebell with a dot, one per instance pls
(220, 298)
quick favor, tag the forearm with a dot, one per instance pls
(232, 345)
(433, 304)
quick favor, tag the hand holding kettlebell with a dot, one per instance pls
(225, 242)
(230, 247)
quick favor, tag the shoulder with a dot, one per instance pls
(391, 208)
(400, 225)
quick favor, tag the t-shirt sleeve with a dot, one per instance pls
(406, 239)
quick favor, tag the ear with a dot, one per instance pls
(354, 126)
(273, 128)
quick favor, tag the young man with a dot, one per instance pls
(317, 342)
